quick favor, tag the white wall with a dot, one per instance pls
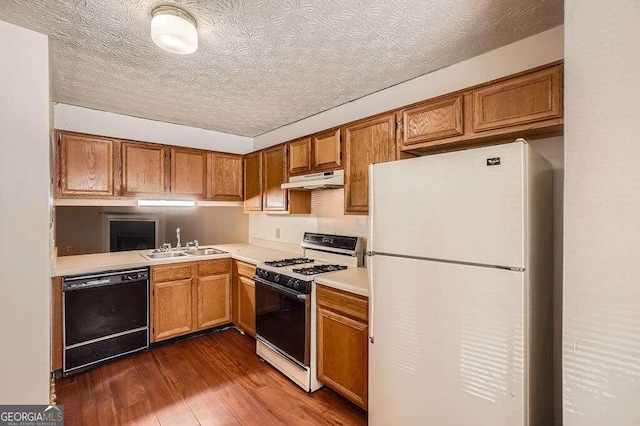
(520, 56)
(327, 216)
(78, 119)
(553, 150)
(602, 214)
(24, 216)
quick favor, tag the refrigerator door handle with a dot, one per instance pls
(371, 252)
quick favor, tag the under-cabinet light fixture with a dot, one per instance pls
(167, 203)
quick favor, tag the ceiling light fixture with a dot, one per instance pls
(174, 30)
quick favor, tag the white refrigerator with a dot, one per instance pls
(460, 261)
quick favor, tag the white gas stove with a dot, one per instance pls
(285, 303)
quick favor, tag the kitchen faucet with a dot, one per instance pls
(178, 236)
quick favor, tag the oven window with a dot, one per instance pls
(102, 311)
(282, 321)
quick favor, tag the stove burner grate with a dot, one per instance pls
(320, 269)
(288, 262)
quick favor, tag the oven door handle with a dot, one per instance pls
(281, 289)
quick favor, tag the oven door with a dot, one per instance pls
(283, 319)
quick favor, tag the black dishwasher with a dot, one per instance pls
(105, 316)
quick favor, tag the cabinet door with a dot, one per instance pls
(520, 100)
(188, 172)
(326, 151)
(172, 309)
(247, 305)
(214, 301)
(143, 169)
(274, 198)
(300, 156)
(86, 166)
(343, 355)
(439, 119)
(226, 177)
(371, 141)
(253, 182)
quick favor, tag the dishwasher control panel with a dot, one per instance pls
(103, 279)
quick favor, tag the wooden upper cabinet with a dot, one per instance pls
(300, 156)
(366, 142)
(225, 182)
(317, 153)
(525, 99)
(143, 169)
(253, 182)
(274, 198)
(86, 165)
(434, 120)
(326, 151)
(188, 172)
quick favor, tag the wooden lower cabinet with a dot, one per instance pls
(247, 305)
(187, 297)
(342, 344)
(214, 301)
(172, 309)
(244, 297)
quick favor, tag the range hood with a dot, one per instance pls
(323, 180)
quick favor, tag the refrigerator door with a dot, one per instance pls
(449, 344)
(466, 206)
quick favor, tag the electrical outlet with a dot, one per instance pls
(69, 249)
(277, 232)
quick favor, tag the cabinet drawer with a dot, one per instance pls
(342, 302)
(213, 267)
(181, 271)
(246, 269)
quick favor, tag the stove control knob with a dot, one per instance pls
(277, 278)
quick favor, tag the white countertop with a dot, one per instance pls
(352, 280)
(100, 262)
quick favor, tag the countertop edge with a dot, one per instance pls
(341, 285)
(142, 262)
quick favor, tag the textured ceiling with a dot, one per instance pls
(262, 64)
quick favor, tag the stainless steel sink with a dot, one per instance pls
(204, 252)
(165, 255)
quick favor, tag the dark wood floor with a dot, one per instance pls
(210, 380)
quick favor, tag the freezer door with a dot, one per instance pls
(465, 206)
(448, 345)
